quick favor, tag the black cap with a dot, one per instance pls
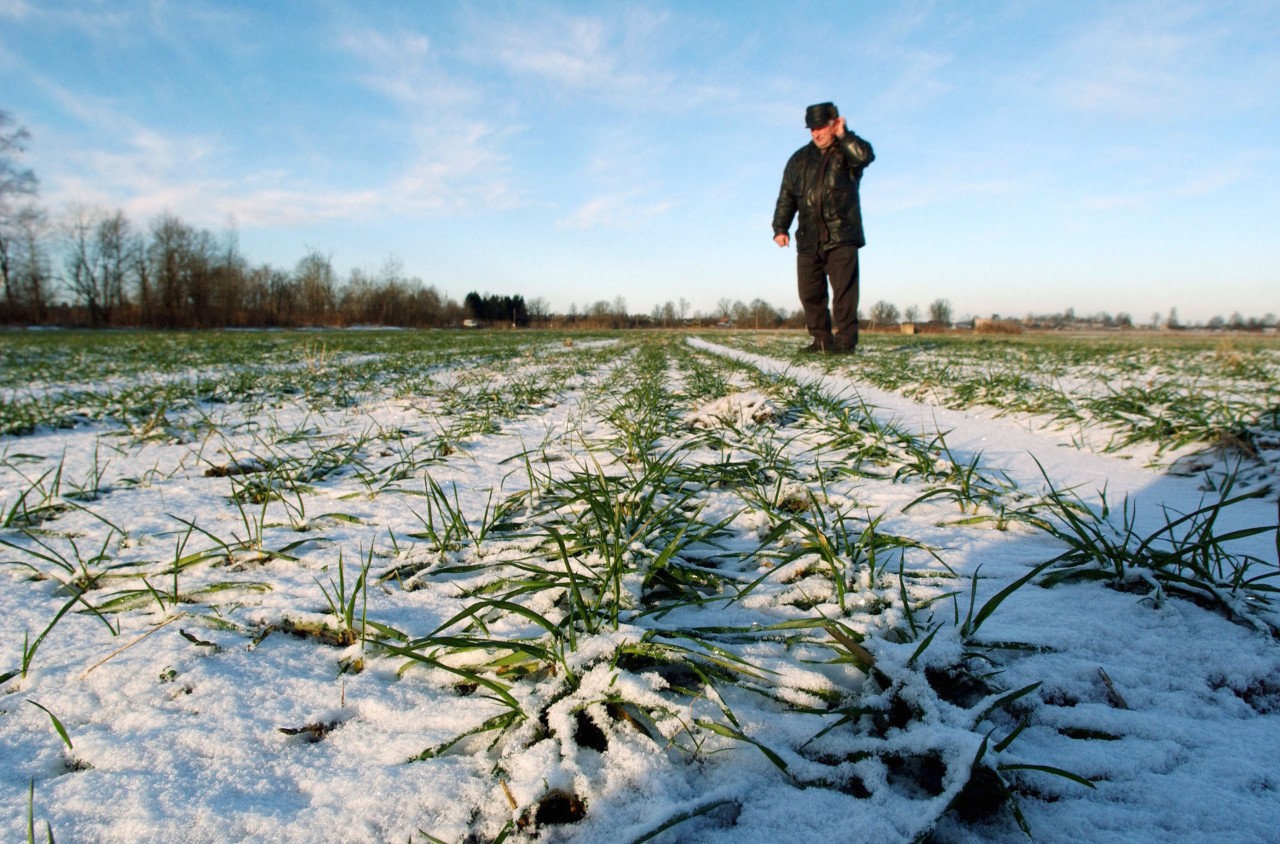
(817, 116)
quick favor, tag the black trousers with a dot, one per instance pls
(838, 326)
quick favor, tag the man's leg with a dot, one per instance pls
(811, 276)
(842, 269)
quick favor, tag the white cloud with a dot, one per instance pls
(283, 207)
(623, 60)
(128, 161)
(927, 190)
(1143, 60)
(15, 9)
(457, 157)
(452, 161)
(1113, 201)
(613, 211)
(1212, 181)
(921, 81)
(409, 70)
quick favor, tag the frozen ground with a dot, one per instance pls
(239, 712)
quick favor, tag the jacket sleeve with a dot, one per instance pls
(784, 211)
(857, 152)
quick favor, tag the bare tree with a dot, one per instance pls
(429, 307)
(599, 312)
(102, 256)
(282, 294)
(884, 313)
(119, 249)
(84, 270)
(16, 184)
(911, 314)
(940, 311)
(357, 301)
(228, 273)
(392, 295)
(763, 315)
(315, 279)
(166, 286)
(29, 282)
(539, 309)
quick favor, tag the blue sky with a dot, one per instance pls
(1030, 156)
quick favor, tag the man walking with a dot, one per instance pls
(821, 183)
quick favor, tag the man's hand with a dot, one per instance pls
(782, 239)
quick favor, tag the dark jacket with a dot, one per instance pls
(840, 220)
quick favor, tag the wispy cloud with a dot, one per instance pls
(1119, 201)
(450, 159)
(144, 171)
(596, 55)
(927, 190)
(918, 75)
(1147, 61)
(634, 60)
(614, 211)
(409, 70)
(1160, 187)
(457, 159)
(921, 81)
(129, 161)
(1215, 178)
(102, 22)
(15, 9)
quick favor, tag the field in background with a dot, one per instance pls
(472, 586)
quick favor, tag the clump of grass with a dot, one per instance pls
(447, 528)
(642, 415)
(39, 502)
(1186, 556)
(342, 601)
(963, 483)
(74, 570)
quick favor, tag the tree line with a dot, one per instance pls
(175, 275)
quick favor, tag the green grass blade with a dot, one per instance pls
(57, 725)
(1048, 769)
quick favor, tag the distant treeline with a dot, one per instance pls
(94, 268)
(97, 269)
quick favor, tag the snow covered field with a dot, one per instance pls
(389, 586)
